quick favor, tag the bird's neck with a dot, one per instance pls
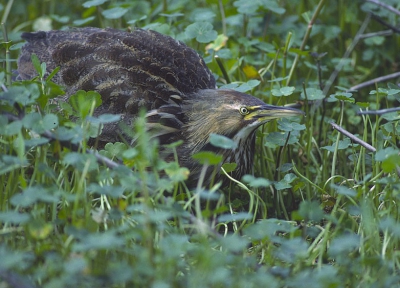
(243, 154)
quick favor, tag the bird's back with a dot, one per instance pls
(135, 69)
(130, 70)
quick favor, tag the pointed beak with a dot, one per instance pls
(266, 112)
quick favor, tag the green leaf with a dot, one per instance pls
(13, 261)
(234, 217)
(60, 19)
(284, 91)
(312, 94)
(247, 86)
(202, 14)
(285, 167)
(130, 153)
(81, 22)
(92, 3)
(112, 191)
(43, 69)
(299, 52)
(176, 173)
(202, 31)
(99, 241)
(105, 118)
(172, 244)
(36, 142)
(39, 229)
(389, 224)
(251, 7)
(256, 182)
(114, 13)
(285, 124)
(384, 154)
(343, 190)
(206, 157)
(246, 6)
(75, 135)
(38, 124)
(311, 211)
(30, 119)
(50, 121)
(224, 53)
(133, 21)
(253, 83)
(393, 92)
(221, 141)
(343, 144)
(115, 149)
(375, 40)
(36, 64)
(14, 217)
(10, 163)
(278, 79)
(390, 163)
(292, 250)
(81, 161)
(392, 116)
(342, 96)
(53, 73)
(343, 245)
(363, 104)
(173, 15)
(232, 85)
(279, 139)
(25, 95)
(243, 87)
(273, 6)
(85, 102)
(11, 129)
(285, 182)
(229, 167)
(26, 198)
(17, 46)
(234, 243)
(268, 229)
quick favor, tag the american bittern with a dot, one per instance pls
(146, 69)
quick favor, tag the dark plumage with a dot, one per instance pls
(145, 69)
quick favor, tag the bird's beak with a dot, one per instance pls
(266, 112)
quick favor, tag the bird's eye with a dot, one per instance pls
(243, 110)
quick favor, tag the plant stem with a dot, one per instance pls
(305, 39)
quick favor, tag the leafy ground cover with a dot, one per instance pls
(320, 210)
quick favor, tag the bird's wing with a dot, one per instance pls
(130, 70)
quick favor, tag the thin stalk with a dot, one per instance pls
(335, 152)
(327, 234)
(305, 39)
(223, 20)
(306, 179)
(222, 68)
(251, 193)
(8, 62)
(285, 52)
(309, 133)
(346, 55)
(7, 11)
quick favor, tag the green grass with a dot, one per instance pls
(318, 211)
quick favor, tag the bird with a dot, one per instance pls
(144, 69)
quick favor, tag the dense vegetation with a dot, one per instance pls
(319, 211)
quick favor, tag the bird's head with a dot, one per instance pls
(229, 113)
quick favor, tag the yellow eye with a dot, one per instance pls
(243, 110)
